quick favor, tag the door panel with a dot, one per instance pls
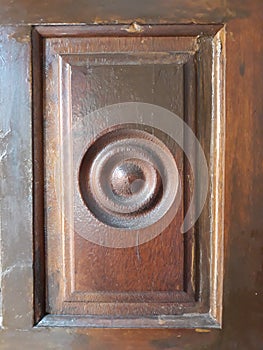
(115, 108)
(25, 252)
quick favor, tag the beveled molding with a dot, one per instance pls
(212, 139)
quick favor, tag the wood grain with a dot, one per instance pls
(156, 266)
(123, 12)
(242, 324)
(16, 178)
(87, 278)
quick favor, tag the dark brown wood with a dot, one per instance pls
(133, 29)
(99, 12)
(171, 273)
(100, 273)
(38, 179)
(242, 314)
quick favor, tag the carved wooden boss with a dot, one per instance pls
(124, 118)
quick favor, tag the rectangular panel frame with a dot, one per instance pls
(215, 207)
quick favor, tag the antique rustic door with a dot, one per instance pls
(131, 174)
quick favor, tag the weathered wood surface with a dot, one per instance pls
(161, 271)
(242, 318)
(16, 177)
(100, 11)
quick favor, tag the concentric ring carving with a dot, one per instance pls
(104, 207)
(128, 178)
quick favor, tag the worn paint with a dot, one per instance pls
(202, 330)
(133, 28)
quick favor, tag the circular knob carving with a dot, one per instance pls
(127, 178)
(138, 180)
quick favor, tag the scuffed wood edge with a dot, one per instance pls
(160, 321)
(217, 177)
(129, 30)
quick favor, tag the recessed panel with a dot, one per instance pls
(123, 178)
(122, 117)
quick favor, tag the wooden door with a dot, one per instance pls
(131, 159)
